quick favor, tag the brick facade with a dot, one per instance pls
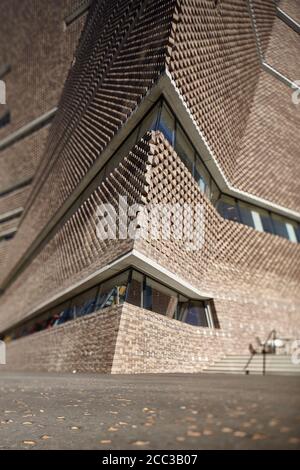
(249, 124)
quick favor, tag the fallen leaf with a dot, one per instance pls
(239, 434)
(226, 430)
(294, 440)
(193, 433)
(258, 436)
(29, 443)
(141, 443)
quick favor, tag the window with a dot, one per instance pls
(246, 214)
(167, 124)
(159, 299)
(196, 313)
(184, 148)
(202, 176)
(112, 292)
(5, 119)
(228, 208)
(84, 304)
(266, 221)
(135, 289)
(130, 286)
(292, 231)
(214, 192)
(4, 70)
(150, 122)
(280, 226)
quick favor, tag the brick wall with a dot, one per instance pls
(128, 339)
(84, 345)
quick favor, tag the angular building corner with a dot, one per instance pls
(169, 106)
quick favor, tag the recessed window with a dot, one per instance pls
(292, 231)
(132, 287)
(184, 148)
(246, 214)
(280, 227)
(112, 292)
(167, 124)
(5, 119)
(227, 207)
(4, 70)
(202, 176)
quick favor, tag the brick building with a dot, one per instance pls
(169, 103)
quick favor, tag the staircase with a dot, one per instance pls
(237, 364)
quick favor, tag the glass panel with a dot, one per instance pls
(214, 192)
(202, 176)
(292, 231)
(257, 220)
(280, 226)
(246, 214)
(84, 304)
(135, 289)
(167, 124)
(149, 123)
(160, 299)
(184, 148)
(297, 230)
(112, 292)
(228, 209)
(62, 314)
(266, 221)
(194, 313)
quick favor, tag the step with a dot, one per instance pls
(239, 364)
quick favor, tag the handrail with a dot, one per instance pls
(264, 351)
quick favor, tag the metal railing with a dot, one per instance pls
(268, 347)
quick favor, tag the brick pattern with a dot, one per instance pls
(247, 117)
(291, 7)
(75, 251)
(40, 53)
(127, 339)
(19, 161)
(215, 65)
(84, 345)
(235, 264)
(120, 55)
(13, 200)
(235, 261)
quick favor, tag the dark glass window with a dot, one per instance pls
(194, 313)
(245, 214)
(266, 222)
(228, 209)
(297, 230)
(112, 292)
(280, 226)
(85, 303)
(135, 289)
(5, 119)
(184, 148)
(167, 124)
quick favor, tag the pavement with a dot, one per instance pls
(174, 411)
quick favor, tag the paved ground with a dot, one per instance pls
(47, 411)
